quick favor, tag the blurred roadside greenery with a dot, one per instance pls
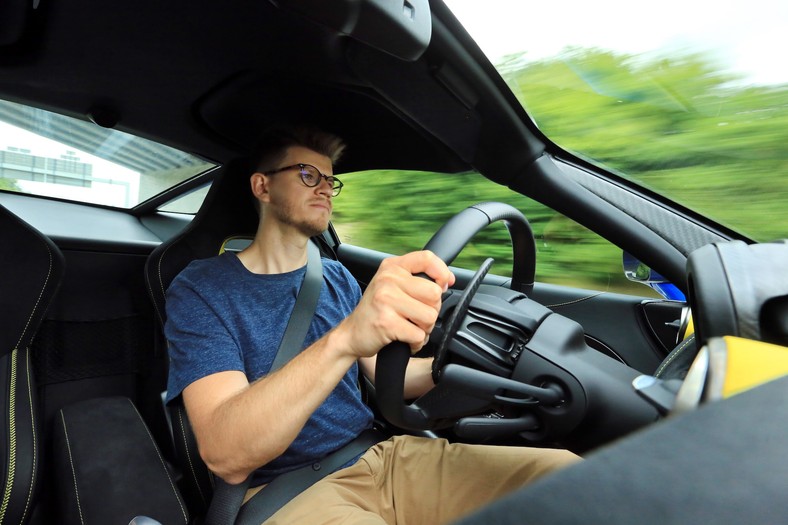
(677, 126)
(8, 184)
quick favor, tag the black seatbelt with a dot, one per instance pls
(227, 499)
(287, 486)
(303, 311)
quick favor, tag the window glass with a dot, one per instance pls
(417, 204)
(685, 97)
(47, 154)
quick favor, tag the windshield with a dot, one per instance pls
(685, 97)
(47, 154)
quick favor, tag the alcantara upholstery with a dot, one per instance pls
(108, 468)
(31, 267)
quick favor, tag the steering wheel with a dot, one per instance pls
(447, 243)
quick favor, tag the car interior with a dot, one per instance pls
(518, 361)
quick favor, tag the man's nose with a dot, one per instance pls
(325, 186)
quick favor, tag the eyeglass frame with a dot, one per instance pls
(321, 176)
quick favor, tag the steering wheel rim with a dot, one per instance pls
(452, 237)
(447, 243)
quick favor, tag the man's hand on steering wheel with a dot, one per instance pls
(398, 304)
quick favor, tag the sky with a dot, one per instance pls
(749, 37)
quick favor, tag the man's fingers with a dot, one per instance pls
(426, 262)
(399, 306)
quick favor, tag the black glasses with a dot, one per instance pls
(311, 176)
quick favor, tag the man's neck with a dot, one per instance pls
(275, 250)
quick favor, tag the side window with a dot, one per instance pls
(418, 203)
(51, 155)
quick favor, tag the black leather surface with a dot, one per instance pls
(739, 289)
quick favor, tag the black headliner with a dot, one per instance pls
(205, 77)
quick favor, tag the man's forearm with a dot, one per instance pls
(256, 423)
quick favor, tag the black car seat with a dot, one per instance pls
(32, 267)
(227, 215)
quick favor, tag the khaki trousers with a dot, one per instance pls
(410, 481)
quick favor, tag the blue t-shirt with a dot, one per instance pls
(221, 316)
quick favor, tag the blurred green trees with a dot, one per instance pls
(705, 139)
(677, 126)
(8, 184)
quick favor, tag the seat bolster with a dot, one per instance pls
(108, 469)
(198, 480)
(19, 468)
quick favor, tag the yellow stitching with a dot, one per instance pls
(49, 272)
(676, 353)
(33, 432)
(172, 485)
(11, 438)
(73, 470)
(189, 456)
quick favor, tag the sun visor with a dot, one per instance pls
(740, 290)
(401, 28)
(244, 105)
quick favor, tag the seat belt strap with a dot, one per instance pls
(287, 486)
(227, 499)
(303, 311)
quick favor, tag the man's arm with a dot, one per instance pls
(240, 427)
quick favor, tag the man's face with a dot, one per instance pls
(290, 202)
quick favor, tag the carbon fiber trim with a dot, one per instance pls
(681, 233)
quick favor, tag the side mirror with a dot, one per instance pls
(638, 272)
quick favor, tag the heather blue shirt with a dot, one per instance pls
(221, 317)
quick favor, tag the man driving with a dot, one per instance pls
(227, 315)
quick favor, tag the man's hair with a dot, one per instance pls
(273, 143)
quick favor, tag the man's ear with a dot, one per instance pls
(259, 185)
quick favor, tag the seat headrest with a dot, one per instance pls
(228, 211)
(740, 290)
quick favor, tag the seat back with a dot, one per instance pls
(741, 290)
(32, 267)
(227, 213)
